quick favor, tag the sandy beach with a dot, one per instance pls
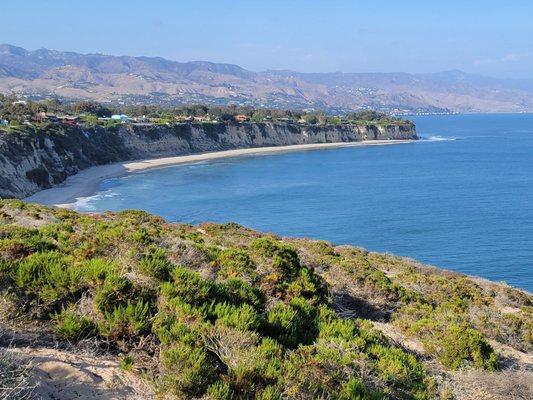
(86, 182)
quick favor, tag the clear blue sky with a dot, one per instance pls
(489, 37)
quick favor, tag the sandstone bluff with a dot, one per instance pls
(32, 161)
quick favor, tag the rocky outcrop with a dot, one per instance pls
(31, 161)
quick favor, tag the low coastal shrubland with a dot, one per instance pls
(224, 312)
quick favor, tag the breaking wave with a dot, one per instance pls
(437, 138)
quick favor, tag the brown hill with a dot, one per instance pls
(153, 79)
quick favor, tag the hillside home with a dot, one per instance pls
(42, 116)
(202, 119)
(183, 118)
(121, 117)
(68, 119)
(241, 118)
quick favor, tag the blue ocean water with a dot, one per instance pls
(462, 199)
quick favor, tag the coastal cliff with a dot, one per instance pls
(38, 159)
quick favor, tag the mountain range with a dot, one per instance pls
(69, 75)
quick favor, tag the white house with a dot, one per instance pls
(121, 117)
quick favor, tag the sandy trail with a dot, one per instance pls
(57, 374)
(86, 182)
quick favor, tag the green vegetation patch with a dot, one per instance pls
(225, 312)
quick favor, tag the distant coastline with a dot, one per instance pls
(86, 182)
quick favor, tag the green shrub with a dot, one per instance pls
(22, 243)
(220, 391)
(417, 318)
(308, 285)
(111, 125)
(116, 290)
(286, 261)
(336, 328)
(127, 363)
(364, 273)
(236, 291)
(126, 321)
(227, 338)
(170, 328)
(446, 333)
(269, 393)
(272, 353)
(142, 236)
(235, 263)
(74, 327)
(59, 232)
(48, 275)
(188, 370)
(369, 335)
(397, 367)
(265, 246)
(462, 346)
(190, 287)
(242, 317)
(251, 367)
(315, 371)
(517, 330)
(355, 389)
(292, 324)
(156, 264)
(96, 270)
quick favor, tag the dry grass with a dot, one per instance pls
(15, 374)
(506, 385)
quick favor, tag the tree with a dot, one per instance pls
(91, 107)
(258, 116)
(91, 119)
(310, 118)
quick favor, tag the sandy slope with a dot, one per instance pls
(86, 182)
(58, 374)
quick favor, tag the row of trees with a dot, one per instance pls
(14, 110)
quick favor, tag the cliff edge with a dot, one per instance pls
(36, 159)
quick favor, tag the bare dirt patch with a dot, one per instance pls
(58, 374)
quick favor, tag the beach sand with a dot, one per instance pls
(86, 182)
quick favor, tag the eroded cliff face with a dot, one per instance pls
(157, 141)
(30, 162)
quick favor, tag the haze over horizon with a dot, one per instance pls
(353, 36)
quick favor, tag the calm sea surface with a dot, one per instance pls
(462, 199)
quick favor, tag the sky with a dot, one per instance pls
(488, 37)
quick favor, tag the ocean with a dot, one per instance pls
(460, 199)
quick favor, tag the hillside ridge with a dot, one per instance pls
(155, 80)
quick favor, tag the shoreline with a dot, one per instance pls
(86, 182)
